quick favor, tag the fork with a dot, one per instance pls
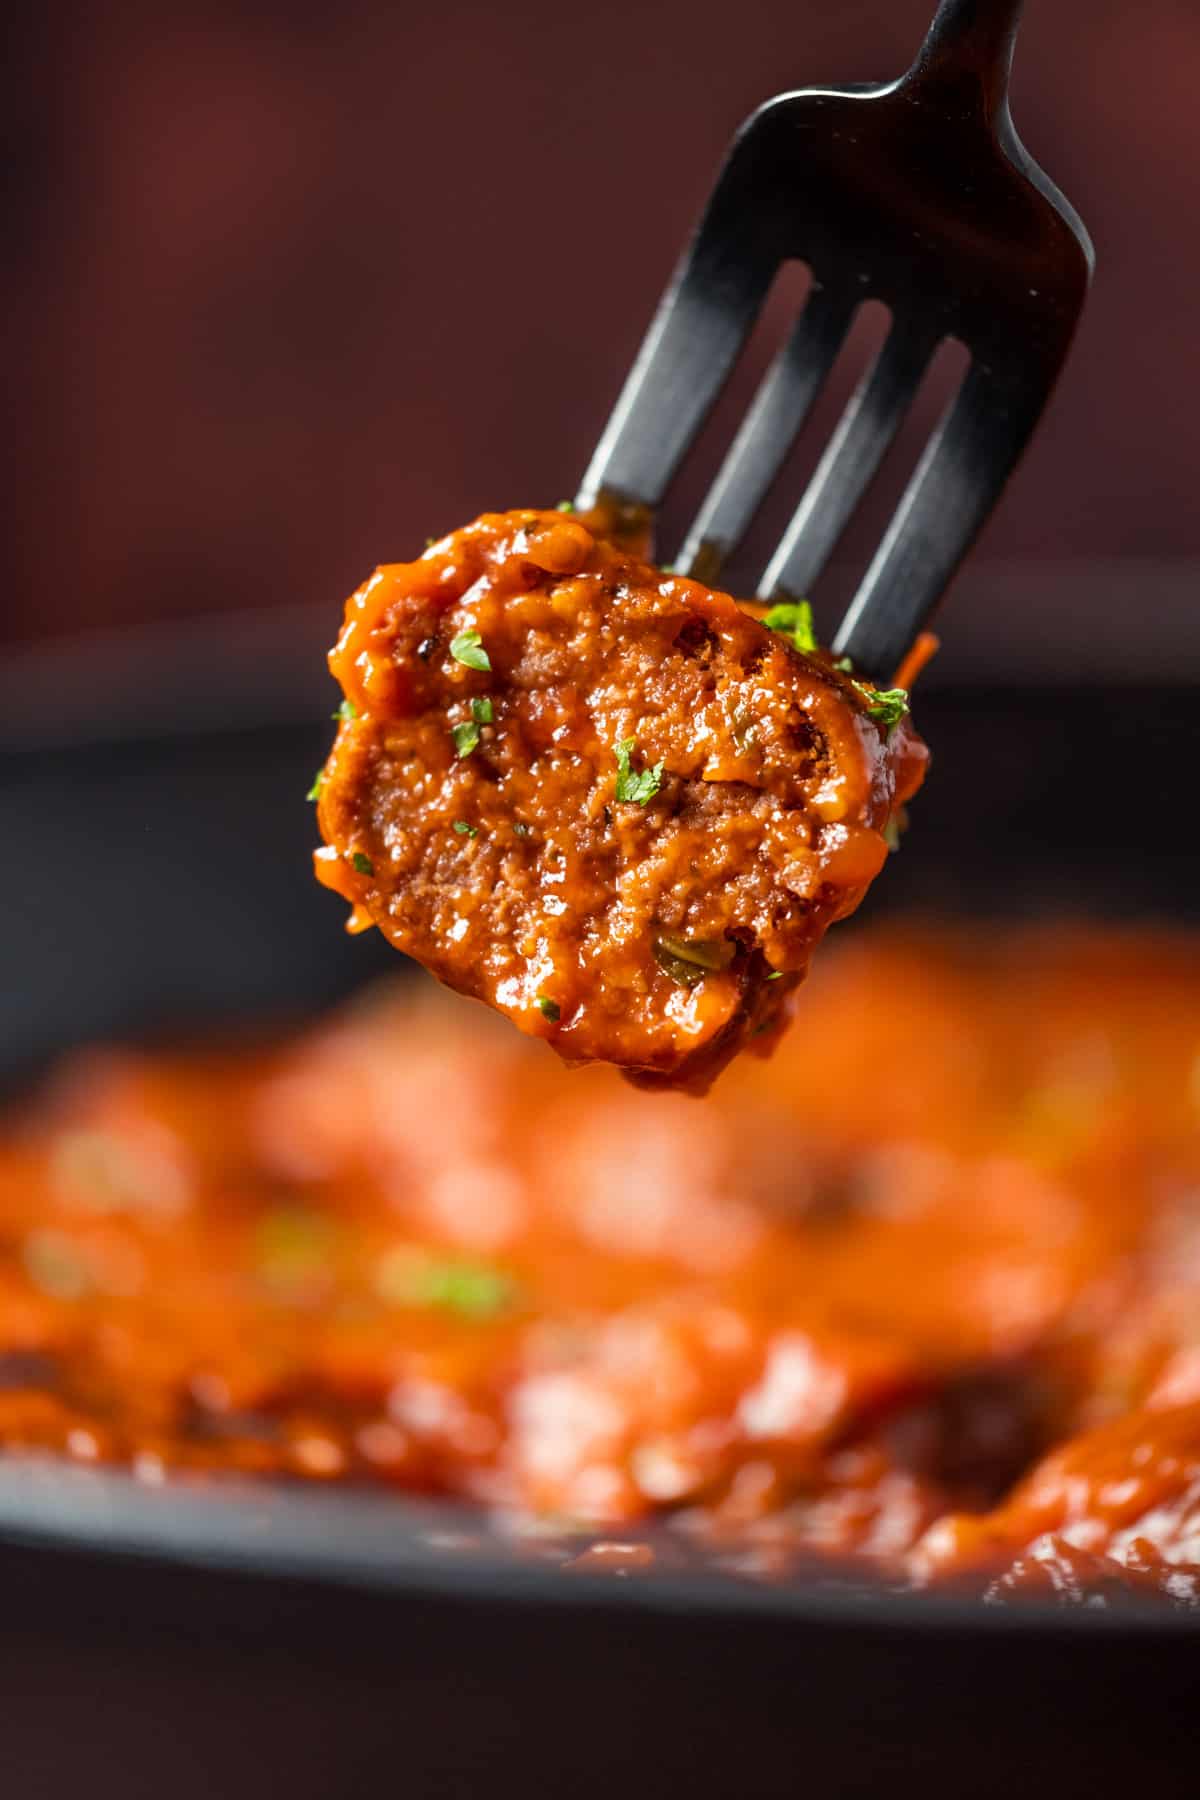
(917, 193)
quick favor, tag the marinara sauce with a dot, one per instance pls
(921, 1290)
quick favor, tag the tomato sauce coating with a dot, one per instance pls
(922, 1290)
(601, 797)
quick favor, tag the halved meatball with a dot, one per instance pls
(599, 796)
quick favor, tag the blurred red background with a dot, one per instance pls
(290, 286)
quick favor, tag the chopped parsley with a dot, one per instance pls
(292, 1246)
(467, 649)
(465, 830)
(887, 706)
(549, 1009)
(314, 792)
(637, 787)
(454, 1284)
(775, 975)
(466, 737)
(362, 864)
(793, 619)
(707, 953)
(845, 664)
(891, 834)
(347, 710)
(481, 711)
(565, 506)
(688, 960)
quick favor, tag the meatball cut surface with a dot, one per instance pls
(601, 797)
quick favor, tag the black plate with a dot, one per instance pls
(250, 1640)
(253, 1644)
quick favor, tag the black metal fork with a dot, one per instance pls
(919, 194)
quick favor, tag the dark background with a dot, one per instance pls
(290, 286)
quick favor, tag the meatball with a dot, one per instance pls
(599, 796)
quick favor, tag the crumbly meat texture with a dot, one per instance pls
(603, 798)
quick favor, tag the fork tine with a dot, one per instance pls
(855, 451)
(953, 488)
(701, 323)
(768, 431)
(693, 341)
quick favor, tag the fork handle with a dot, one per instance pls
(974, 37)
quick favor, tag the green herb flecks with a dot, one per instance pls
(467, 649)
(362, 864)
(793, 619)
(459, 1285)
(481, 711)
(314, 792)
(347, 710)
(466, 737)
(688, 960)
(637, 787)
(775, 975)
(567, 506)
(465, 830)
(549, 1009)
(887, 706)
(292, 1247)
